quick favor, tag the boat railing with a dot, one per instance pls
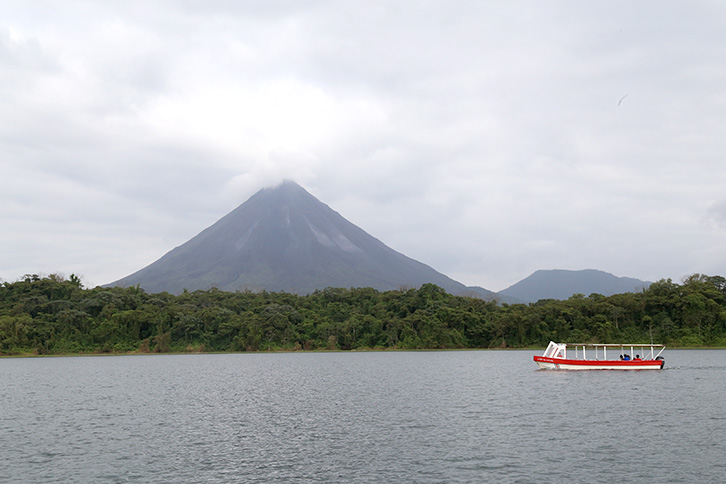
(646, 351)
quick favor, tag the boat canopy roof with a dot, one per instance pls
(618, 345)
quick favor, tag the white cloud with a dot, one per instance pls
(484, 139)
(716, 213)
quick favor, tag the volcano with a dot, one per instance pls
(283, 239)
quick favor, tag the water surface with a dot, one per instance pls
(423, 417)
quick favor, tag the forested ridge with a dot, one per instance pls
(54, 315)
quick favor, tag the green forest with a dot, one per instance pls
(53, 315)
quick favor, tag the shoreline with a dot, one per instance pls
(370, 350)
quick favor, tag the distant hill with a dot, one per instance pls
(561, 284)
(285, 239)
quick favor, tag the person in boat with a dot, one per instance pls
(621, 357)
(626, 357)
(637, 357)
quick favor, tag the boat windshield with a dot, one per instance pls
(555, 350)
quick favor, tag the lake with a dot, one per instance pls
(377, 417)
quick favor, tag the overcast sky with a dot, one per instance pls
(487, 139)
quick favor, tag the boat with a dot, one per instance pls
(587, 356)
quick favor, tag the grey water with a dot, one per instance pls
(384, 417)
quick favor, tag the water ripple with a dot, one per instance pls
(441, 417)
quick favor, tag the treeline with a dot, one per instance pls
(52, 315)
